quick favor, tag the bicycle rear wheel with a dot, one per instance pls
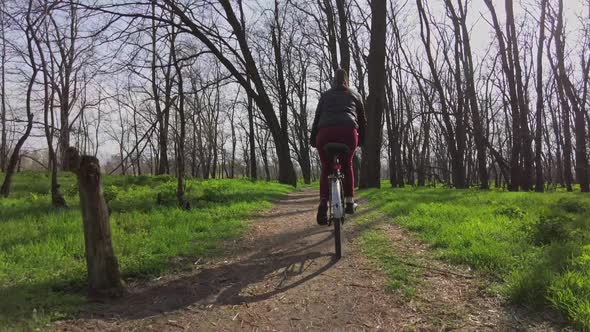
(338, 223)
(337, 238)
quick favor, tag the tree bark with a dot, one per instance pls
(469, 73)
(57, 200)
(15, 157)
(162, 114)
(331, 27)
(344, 44)
(371, 162)
(3, 136)
(180, 154)
(104, 278)
(67, 53)
(568, 90)
(523, 105)
(539, 180)
(252, 142)
(508, 69)
(277, 42)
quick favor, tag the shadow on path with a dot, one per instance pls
(300, 256)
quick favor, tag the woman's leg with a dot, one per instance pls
(347, 162)
(321, 140)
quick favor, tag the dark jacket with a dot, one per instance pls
(339, 107)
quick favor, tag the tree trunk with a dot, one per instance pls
(283, 101)
(344, 44)
(507, 67)
(161, 114)
(57, 200)
(251, 139)
(539, 180)
(138, 154)
(180, 154)
(331, 27)
(3, 138)
(15, 157)
(469, 73)
(104, 278)
(371, 162)
(68, 80)
(568, 90)
(523, 105)
(391, 136)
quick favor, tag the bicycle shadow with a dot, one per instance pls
(274, 268)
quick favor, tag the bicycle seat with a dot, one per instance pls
(336, 149)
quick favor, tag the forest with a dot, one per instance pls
(478, 109)
(227, 89)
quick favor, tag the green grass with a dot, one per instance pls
(537, 244)
(42, 264)
(377, 246)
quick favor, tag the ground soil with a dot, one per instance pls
(282, 276)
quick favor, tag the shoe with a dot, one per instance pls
(322, 217)
(350, 208)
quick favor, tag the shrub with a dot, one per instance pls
(570, 292)
(551, 227)
(570, 205)
(70, 189)
(511, 212)
(110, 193)
(528, 283)
(213, 195)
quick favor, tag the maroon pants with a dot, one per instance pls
(343, 135)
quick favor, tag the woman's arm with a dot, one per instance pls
(362, 121)
(316, 120)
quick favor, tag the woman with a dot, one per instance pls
(339, 118)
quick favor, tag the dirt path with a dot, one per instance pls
(282, 277)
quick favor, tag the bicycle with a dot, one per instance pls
(336, 197)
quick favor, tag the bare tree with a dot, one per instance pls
(3, 129)
(539, 180)
(29, 29)
(244, 57)
(57, 199)
(509, 73)
(565, 85)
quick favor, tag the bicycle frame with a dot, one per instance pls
(336, 203)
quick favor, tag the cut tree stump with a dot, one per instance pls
(104, 278)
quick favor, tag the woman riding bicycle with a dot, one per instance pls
(339, 118)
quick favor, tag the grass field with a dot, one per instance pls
(42, 264)
(537, 244)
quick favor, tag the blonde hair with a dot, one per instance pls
(341, 77)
